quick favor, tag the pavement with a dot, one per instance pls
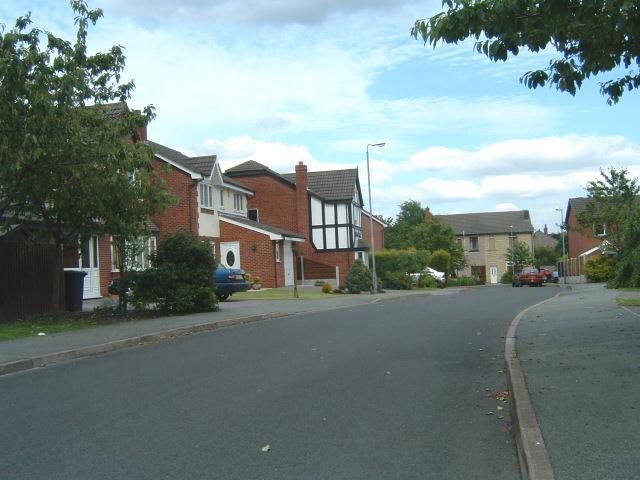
(39, 351)
(580, 355)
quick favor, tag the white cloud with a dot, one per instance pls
(547, 154)
(506, 207)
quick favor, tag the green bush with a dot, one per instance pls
(358, 278)
(427, 281)
(441, 261)
(463, 282)
(507, 278)
(400, 261)
(398, 281)
(327, 288)
(182, 276)
(599, 269)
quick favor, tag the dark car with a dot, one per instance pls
(228, 282)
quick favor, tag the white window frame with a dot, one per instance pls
(277, 252)
(142, 261)
(238, 202)
(206, 195)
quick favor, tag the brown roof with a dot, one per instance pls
(202, 165)
(262, 226)
(485, 223)
(330, 184)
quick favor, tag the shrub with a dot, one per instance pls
(400, 261)
(441, 261)
(463, 282)
(427, 281)
(182, 277)
(358, 278)
(599, 269)
(399, 281)
(507, 278)
(327, 288)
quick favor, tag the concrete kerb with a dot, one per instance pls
(49, 359)
(532, 451)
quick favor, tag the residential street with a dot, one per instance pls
(395, 389)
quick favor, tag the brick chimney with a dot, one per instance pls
(546, 231)
(302, 200)
(428, 216)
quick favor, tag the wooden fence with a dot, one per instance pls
(31, 280)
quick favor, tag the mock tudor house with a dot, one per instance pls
(486, 237)
(325, 207)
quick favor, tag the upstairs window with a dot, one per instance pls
(222, 197)
(600, 230)
(473, 244)
(238, 203)
(206, 195)
(252, 214)
(492, 244)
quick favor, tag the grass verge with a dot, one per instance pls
(31, 327)
(629, 301)
(304, 293)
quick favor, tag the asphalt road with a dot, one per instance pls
(397, 389)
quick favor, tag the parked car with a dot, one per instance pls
(439, 277)
(529, 276)
(228, 282)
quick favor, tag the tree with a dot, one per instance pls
(612, 200)
(546, 255)
(66, 152)
(594, 37)
(69, 156)
(520, 255)
(441, 261)
(436, 235)
(397, 235)
(614, 210)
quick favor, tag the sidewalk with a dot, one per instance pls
(580, 354)
(22, 354)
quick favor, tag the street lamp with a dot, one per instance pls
(562, 235)
(513, 263)
(374, 277)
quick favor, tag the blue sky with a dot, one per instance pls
(284, 81)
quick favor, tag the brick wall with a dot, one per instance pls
(104, 254)
(275, 201)
(257, 254)
(378, 232)
(182, 215)
(579, 241)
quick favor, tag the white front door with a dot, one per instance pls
(90, 264)
(230, 254)
(493, 272)
(288, 264)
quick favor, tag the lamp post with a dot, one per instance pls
(513, 263)
(374, 277)
(562, 236)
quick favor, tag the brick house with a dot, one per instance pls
(325, 208)
(486, 237)
(214, 206)
(581, 239)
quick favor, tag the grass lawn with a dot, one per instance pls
(629, 301)
(304, 293)
(629, 289)
(29, 328)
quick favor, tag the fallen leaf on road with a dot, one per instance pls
(266, 448)
(500, 408)
(489, 413)
(503, 396)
